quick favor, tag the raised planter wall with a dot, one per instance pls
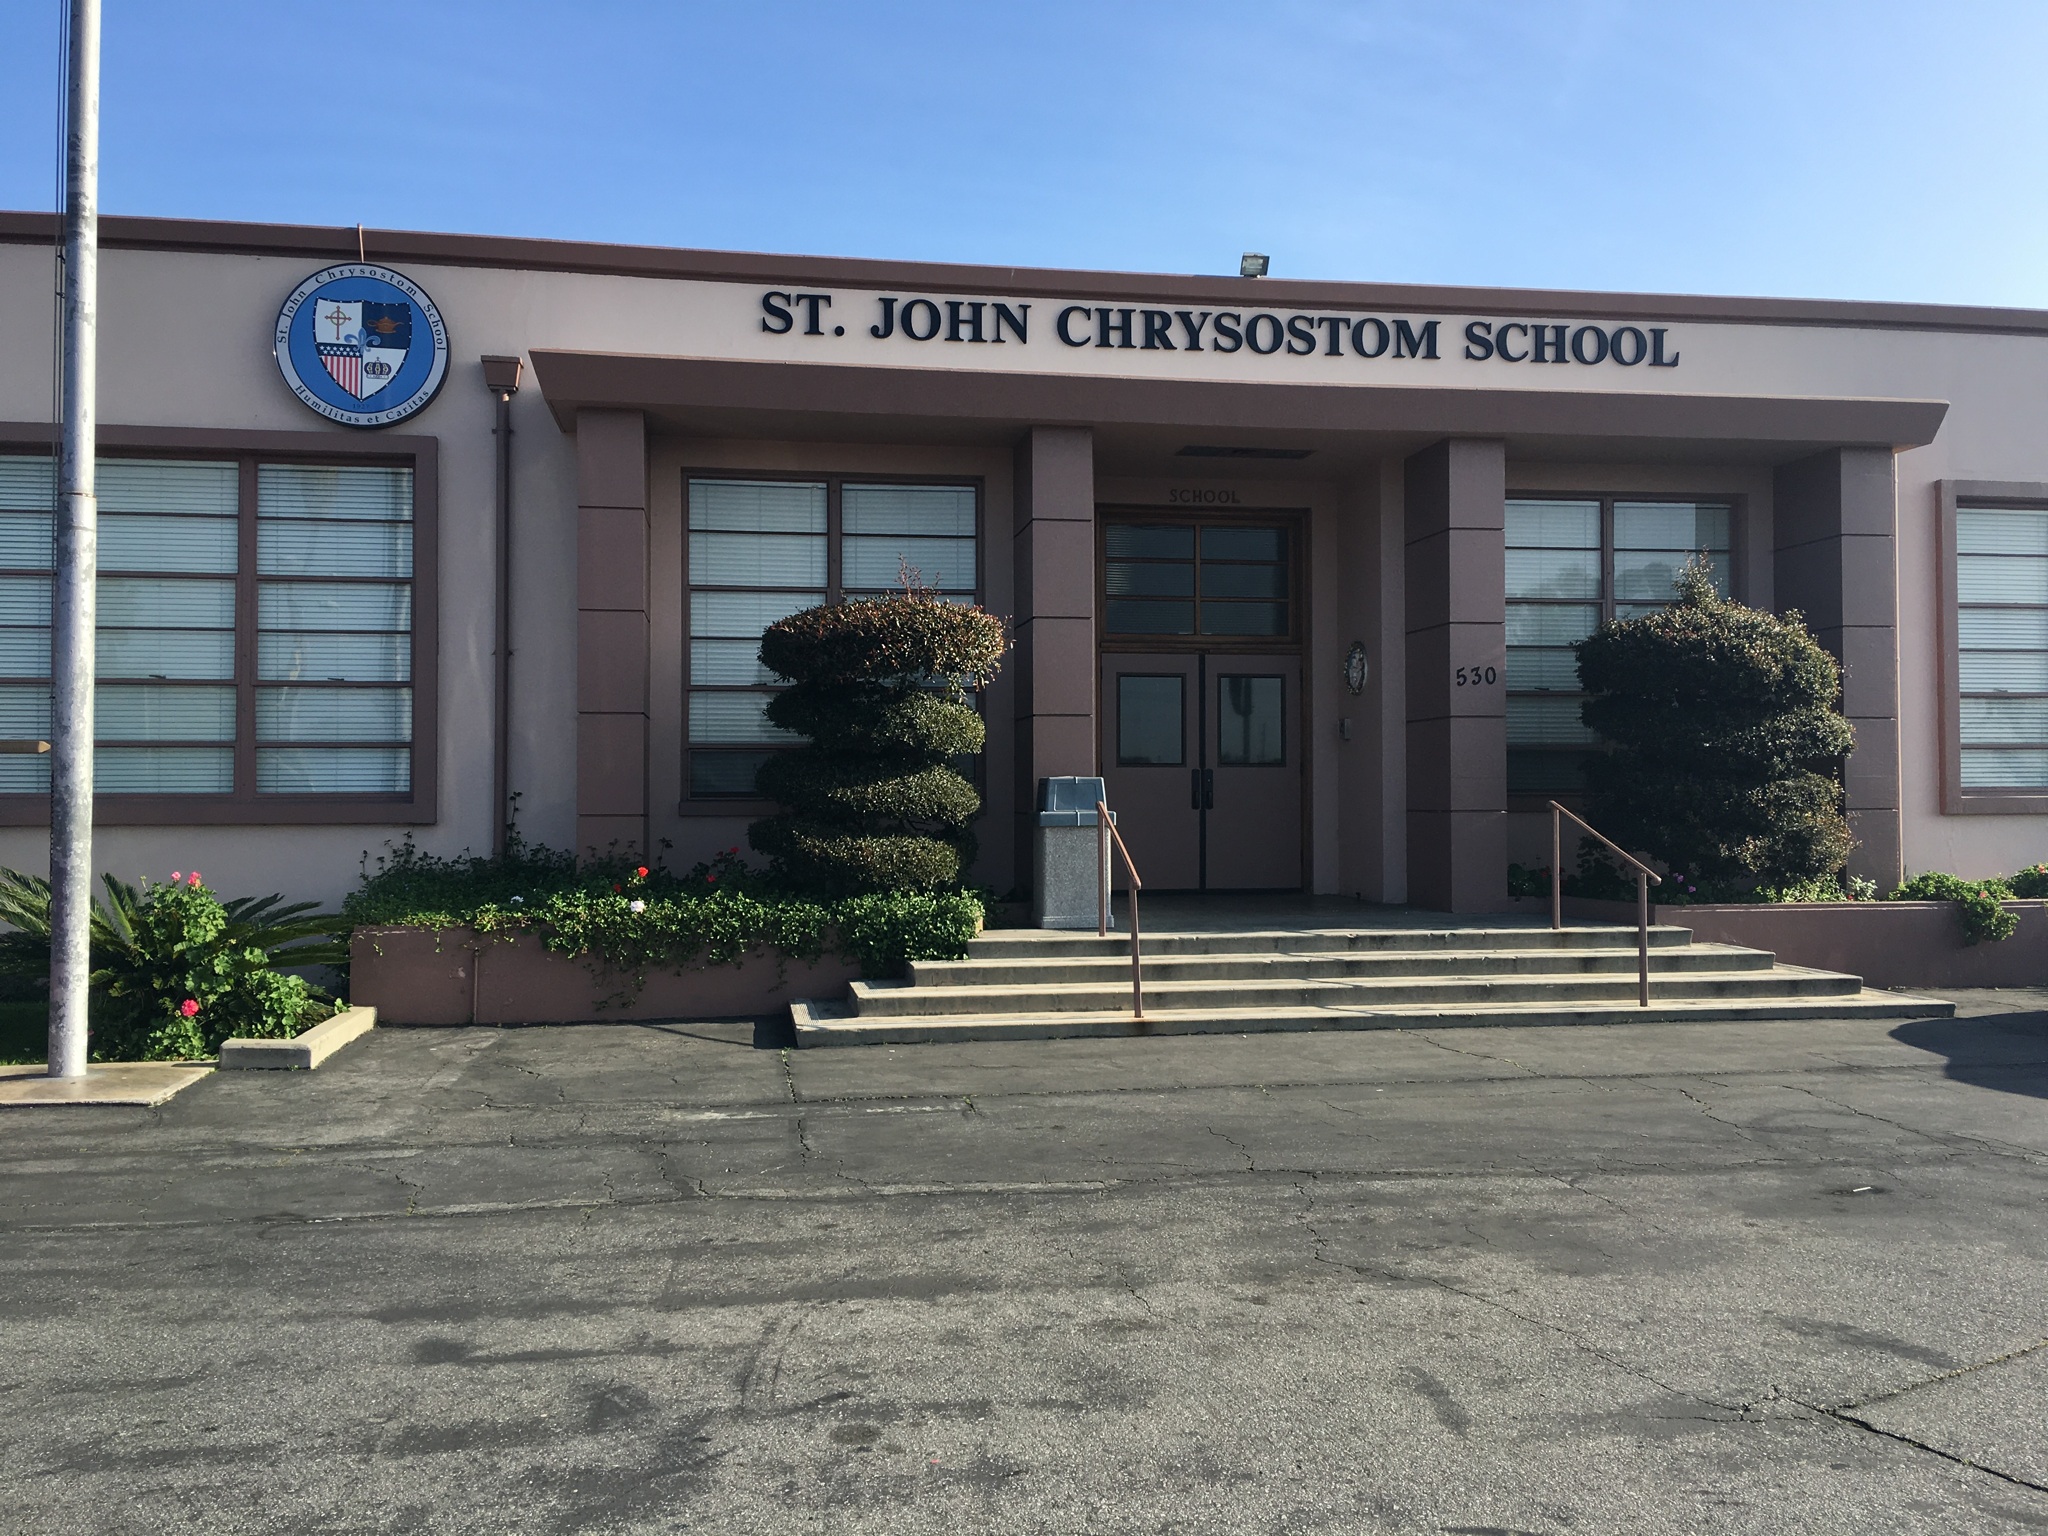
(458, 976)
(1887, 943)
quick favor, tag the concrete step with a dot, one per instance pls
(902, 999)
(834, 1023)
(1051, 944)
(1106, 969)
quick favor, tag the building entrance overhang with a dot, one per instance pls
(712, 397)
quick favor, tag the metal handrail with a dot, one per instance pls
(1645, 878)
(1105, 834)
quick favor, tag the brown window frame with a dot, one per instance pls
(834, 481)
(1955, 799)
(244, 806)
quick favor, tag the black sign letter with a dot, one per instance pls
(775, 316)
(1060, 325)
(887, 328)
(1408, 344)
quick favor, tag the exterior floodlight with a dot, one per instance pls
(1251, 264)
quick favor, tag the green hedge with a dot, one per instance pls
(632, 919)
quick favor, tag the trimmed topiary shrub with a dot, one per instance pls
(880, 688)
(1726, 744)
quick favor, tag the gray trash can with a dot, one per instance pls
(1071, 869)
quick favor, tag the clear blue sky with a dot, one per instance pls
(1840, 148)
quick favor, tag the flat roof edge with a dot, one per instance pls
(337, 243)
(571, 381)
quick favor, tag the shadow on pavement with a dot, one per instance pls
(2004, 1051)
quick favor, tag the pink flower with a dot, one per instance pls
(189, 1007)
(176, 877)
(193, 879)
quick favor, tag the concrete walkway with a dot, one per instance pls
(136, 1084)
(1732, 1278)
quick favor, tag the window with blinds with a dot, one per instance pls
(333, 629)
(1572, 563)
(2002, 646)
(241, 650)
(760, 550)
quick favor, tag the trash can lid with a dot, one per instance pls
(1070, 794)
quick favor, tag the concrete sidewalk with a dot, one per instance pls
(1730, 1278)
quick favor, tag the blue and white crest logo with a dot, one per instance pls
(362, 345)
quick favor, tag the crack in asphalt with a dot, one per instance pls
(1946, 1140)
(1962, 1370)
(1235, 1146)
(1843, 1416)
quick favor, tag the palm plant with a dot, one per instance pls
(152, 949)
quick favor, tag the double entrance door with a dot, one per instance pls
(1202, 756)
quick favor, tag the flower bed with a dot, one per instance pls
(532, 937)
(1887, 943)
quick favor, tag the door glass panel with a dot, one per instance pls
(1249, 722)
(1150, 722)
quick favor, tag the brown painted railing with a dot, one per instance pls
(1645, 878)
(1105, 834)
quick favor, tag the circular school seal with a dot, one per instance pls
(362, 345)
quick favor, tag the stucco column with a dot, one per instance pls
(1054, 663)
(611, 631)
(1835, 559)
(1455, 496)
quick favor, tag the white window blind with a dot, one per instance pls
(165, 643)
(760, 550)
(2002, 649)
(758, 553)
(333, 629)
(325, 616)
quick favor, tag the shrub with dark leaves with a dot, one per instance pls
(875, 803)
(1726, 744)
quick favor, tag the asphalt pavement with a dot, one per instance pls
(1629, 1279)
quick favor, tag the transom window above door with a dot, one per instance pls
(1572, 564)
(1197, 579)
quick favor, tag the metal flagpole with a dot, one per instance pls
(73, 609)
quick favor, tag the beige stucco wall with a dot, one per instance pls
(184, 340)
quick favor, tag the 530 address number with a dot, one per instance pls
(1475, 677)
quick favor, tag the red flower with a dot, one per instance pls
(712, 878)
(735, 848)
(641, 871)
(189, 1007)
(616, 886)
